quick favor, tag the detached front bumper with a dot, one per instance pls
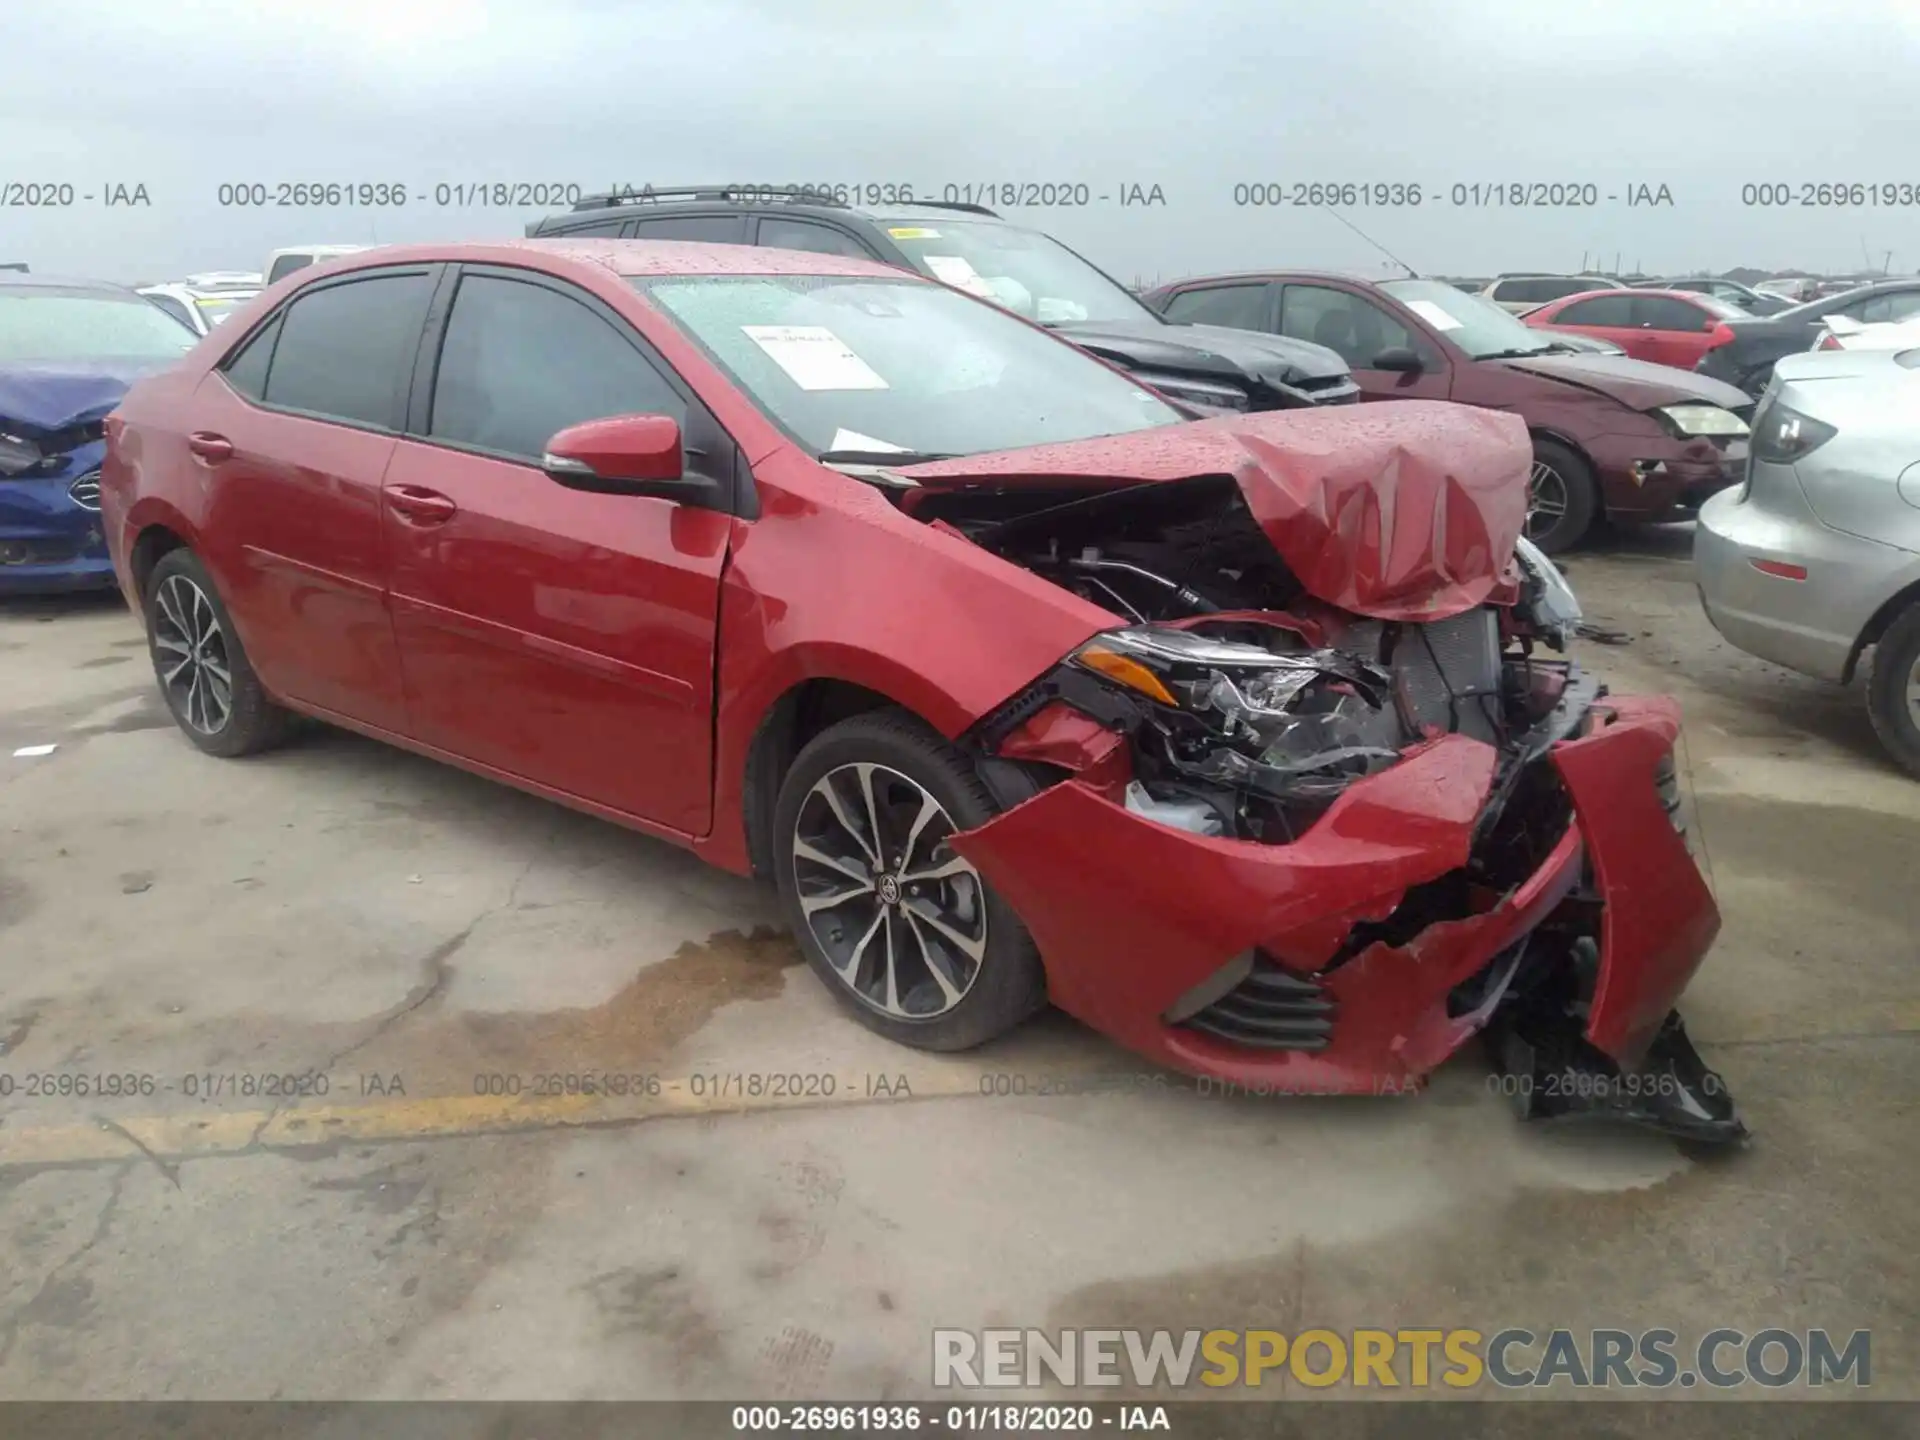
(1134, 918)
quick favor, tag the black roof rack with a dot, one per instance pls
(758, 194)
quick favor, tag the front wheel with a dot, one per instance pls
(1562, 498)
(903, 930)
(1893, 689)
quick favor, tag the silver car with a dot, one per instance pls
(1817, 555)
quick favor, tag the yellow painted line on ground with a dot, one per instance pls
(198, 1134)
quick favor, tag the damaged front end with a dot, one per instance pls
(1296, 848)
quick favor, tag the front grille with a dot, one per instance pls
(86, 491)
(1272, 1009)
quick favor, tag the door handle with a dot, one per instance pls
(210, 447)
(421, 505)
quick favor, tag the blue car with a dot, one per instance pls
(68, 351)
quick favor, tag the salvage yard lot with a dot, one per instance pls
(775, 1202)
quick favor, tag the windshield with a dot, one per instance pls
(215, 308)
(1029, 273)
(876, 366)
(80, 325)
(1477, 325)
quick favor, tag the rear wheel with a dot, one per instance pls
(1562, 498)
(1893, 689)
(902, 929)
(203, 670)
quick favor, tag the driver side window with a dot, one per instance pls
(1355, 329)
(521, 362)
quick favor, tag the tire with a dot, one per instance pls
(951, 986)
(1562, 472)
(1893, 689)
(191, 639)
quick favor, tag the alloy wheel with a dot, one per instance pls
(1913, 693)
(899, 916)
(1547, 499)
(192, 652)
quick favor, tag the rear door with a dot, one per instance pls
(1610, 317)
(293, 433)
(1672, 331)
(1360, 331)
(558, 636)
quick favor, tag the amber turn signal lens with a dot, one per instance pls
(1129, 672)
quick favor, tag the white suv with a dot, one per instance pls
(1518, 294)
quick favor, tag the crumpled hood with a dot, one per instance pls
(46, 396)
(1637, 384)
(1407, 511)
(1148, 344)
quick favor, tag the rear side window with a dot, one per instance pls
(344, 348)
(247, 371)
(805, 235)
(286, 265)
(1610, 311)
(1660, 312)
(1901, 305)
(521, 362)
(719, 229)
(1244, 307)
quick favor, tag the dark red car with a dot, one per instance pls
(1237, 738)
(1613, 437)
(1667, 327)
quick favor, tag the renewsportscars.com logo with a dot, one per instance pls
(1389, 1359)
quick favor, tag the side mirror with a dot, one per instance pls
(628, 455)
(1399, 359)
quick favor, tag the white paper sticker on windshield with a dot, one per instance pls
(814, 357)
(854, 440)
(1428, 311)
(954, 269)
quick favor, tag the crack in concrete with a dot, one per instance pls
(172, 1172)
(10, 1327)
(438, 974)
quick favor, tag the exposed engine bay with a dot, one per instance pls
(1261, 704)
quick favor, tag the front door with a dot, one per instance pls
(1360, 331)
(563, 637)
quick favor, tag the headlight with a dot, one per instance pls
(17, 456)
(1159, 663)
(1197, 392)
(1701, 419)
(1783, 435)
(1551, 607)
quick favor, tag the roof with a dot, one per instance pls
(627, 257)
(17, 280)
(1349, 277)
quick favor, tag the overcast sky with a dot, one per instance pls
(1702, 96)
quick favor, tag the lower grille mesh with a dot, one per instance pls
(1272, 1009)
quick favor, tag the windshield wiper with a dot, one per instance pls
(877, 457)
(1522, 354)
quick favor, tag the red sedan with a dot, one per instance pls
(1236, 738)
(1668, 327)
